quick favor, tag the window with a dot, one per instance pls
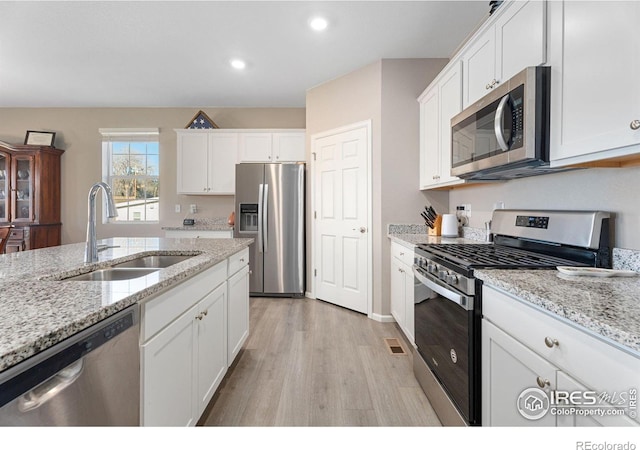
(131, 166)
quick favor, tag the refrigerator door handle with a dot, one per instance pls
(265, 219)
(260, 222)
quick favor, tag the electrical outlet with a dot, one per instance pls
(193, 209)
(498, 205)
(177, 208)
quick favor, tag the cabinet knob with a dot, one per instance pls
(635, 124)
(488, 86)
(204, 189)
(241, 259)
(543, 382)
(401, 270)
(199, 316)
(550, 342)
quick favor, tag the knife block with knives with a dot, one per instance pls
(432, 220)
(436, 230)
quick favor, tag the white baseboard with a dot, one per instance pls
(382, 318)
(309, 295)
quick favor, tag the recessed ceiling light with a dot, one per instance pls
(238, 64)
(318, 23)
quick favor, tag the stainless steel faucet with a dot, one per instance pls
(91, 250)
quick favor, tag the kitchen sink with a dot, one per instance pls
(113, 274)
(154, 261)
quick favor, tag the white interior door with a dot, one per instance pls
(341, 210)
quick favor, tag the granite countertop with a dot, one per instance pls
(37, 311)
(204, 224)
(608, 308)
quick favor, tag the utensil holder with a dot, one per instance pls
(437, 227)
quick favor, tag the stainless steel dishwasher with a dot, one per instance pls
(91, 378)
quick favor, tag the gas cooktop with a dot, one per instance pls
(484, 256)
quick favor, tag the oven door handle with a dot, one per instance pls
(464, 301)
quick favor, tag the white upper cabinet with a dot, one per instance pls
(438, 104)
(515, 38)
(594, 53)
(279, 146)
(206, 162)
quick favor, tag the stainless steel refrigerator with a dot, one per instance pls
(270, 209)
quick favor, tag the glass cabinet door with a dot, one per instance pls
(4, 187)
(22, 188)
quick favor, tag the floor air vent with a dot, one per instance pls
(394, 346)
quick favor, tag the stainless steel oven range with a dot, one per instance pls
(448, 313)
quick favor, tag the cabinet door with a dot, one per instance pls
(595, 93)
(238, 317)
(520, 37)
(192, 162)
(22, 188)
(168, 374)
(508, 369)
(429, 139)
(223, 155)
(211, 345)
(568, 384)
(289, 147)
(256, 147)
(397, 292)
(5, 171)
(409, 317)
(479, 73)
(450, 87)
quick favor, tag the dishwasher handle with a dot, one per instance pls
(48, 389)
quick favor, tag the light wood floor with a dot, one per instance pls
(310, 363)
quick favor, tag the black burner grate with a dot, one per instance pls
(494, 256)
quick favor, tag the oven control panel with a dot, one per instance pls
(532, 221)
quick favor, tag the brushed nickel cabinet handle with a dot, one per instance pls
(550, 342)
(542, 382)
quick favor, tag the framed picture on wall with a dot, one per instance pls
(42, 138)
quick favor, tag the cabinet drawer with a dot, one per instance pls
(238, 261)
(160, 311)
(401, 252)
(16, 233)
(592, 361)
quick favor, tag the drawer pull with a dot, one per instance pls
(549, 342)
(542, 382)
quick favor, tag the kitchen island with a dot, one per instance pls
(37, 310)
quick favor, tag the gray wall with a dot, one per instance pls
(77, 133)
(611, 189)
(384, 92)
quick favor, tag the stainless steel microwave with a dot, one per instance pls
(505, 134)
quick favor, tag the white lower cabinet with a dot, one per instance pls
(402, 286)
(210, 345)
(185, 336)
(238, 311)
(526, 350)
(168, 373)
(508, 368)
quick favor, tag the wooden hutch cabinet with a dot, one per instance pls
(30, 195)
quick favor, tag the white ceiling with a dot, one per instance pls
(176, 53)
